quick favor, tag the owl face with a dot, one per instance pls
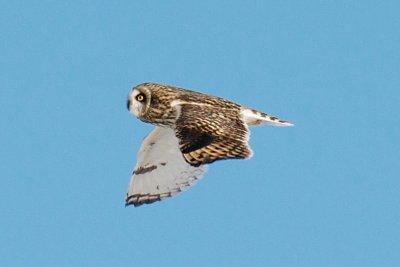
(139, 101)
(152, 104)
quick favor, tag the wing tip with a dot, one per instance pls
(140, 199)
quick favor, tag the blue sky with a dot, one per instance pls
(323, 193)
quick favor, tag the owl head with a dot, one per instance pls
(139, 100)
(154, 103)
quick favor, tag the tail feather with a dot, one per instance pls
(253, 117)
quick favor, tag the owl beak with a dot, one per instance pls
(128, 104)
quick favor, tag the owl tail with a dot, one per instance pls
(253, 117)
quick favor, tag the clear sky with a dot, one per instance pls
(323, 193)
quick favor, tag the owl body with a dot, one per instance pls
(161, 101)
(196, 128)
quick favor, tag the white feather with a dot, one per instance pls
(135, 107)
(161, 170)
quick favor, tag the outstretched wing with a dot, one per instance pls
(207, 134)
(160, 171)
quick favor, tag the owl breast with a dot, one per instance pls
(160, 114)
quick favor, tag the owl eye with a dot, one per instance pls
(140, 97)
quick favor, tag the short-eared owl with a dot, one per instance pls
(192, 130)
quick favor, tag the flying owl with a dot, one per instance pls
(191, 131)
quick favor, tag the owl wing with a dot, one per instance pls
(160, 171)
(207, 134)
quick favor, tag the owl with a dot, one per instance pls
(192, 130)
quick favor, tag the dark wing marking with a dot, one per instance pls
(207, 134)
